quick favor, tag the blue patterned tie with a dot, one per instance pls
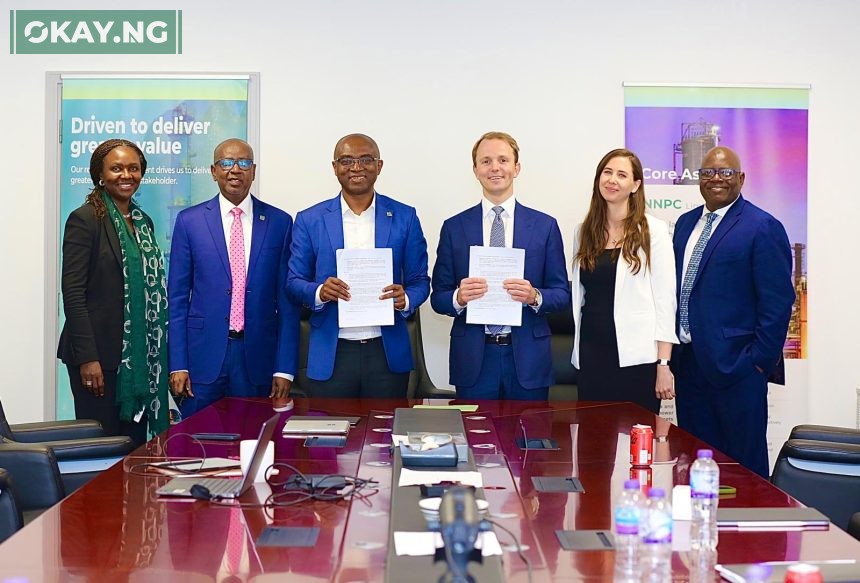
(692, 270)
(497, 239)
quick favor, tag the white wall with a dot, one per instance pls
(426, 79)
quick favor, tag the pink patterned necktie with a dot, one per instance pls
(237, 271)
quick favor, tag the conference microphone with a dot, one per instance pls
(459, 525)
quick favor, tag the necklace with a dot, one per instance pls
(127, 215)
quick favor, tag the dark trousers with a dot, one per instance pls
(498, 379)
(733, 419)
(104, 409)
(361, 370)
(232, 381)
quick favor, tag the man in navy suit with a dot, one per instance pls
(500, 362)
(733, 268)
(232, 330)
(367, 361)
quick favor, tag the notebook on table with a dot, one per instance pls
(320, 426)
(771, 519)
(226, 487)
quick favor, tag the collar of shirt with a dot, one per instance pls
(345, 211)
(508, 205)
(247, 223)
(720, 212)
(227, 206)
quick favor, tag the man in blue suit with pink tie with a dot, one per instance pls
(733, 269)
(363, 361)
(232, 329)
(494, 361)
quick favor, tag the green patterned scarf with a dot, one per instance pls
(142, 376)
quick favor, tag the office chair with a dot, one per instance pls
(11, 519)
(561, 325)
(820, 466)
(854, 525)
(79, 448)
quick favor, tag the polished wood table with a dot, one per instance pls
(116, 529)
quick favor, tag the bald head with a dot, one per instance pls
(369, 142)
(720, 191)
(235, 143)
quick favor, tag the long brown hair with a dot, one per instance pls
(96, 166)
(593, 235)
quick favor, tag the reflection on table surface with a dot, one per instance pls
(116, 528)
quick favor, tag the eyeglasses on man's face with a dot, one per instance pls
(724, 173)
(349, 161)
(228, 163)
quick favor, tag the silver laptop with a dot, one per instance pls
(226, 487)
(319, 426)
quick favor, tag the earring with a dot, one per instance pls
(101, 182)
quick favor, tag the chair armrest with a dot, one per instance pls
(34, 469)
(821, 451)
(430, 391)
(826, 433)
(98, 447)
(56, 430)
(10, 514)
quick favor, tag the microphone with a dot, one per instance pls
(459, 525)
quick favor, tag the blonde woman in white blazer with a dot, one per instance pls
(623, 291)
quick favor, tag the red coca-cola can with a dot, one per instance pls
(641, 445)
(803, 573)
(645, 476)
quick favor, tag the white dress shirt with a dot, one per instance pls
(691, 244)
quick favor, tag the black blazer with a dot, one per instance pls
(92, 284)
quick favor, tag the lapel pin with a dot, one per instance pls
(389, 214)
(262, 217)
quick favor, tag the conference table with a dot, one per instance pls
(115, 528)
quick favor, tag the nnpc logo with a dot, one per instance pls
(139, 32)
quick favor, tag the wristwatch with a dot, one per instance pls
(663, 361)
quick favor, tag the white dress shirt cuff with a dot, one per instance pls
(283, 375)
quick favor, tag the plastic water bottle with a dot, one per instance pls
(628, 513)
(704, 491)
(655, 556)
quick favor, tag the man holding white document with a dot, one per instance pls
(499, 270)
(359, 261)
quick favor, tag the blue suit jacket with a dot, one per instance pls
(198, 288)
(317, 235)
(545, 268)
(742, 296)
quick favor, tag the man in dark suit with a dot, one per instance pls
(232, 329)
(733, 268)
(500, 362)
(367, 361)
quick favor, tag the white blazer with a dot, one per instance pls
(644, 303)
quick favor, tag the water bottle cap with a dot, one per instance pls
(631, 484)
(656, 493)
(705, 453)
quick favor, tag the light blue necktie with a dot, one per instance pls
(497, 239)
(692, 270)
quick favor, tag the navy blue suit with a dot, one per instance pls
(318, 234)
(739, 309)
(538, 234)
(199, 286)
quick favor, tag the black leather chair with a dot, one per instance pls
(79, 450)
(561, 325)
(854, 525)
(820, 466)
(420, 384)
(11, 519)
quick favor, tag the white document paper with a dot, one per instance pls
(422, 544)
(366, 272)
(420, 477)
(496, 264)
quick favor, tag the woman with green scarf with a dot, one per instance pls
(114, 341)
